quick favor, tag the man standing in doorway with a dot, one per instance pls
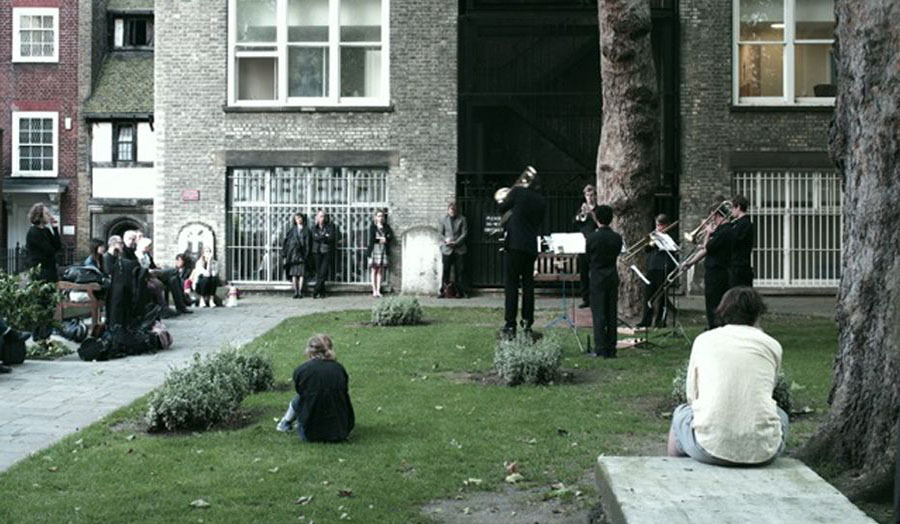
(453, 232)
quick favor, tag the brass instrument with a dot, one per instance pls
(525, 180)
(639, 246)
(584, 212)
(697, 235)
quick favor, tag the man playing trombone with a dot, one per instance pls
(743, 239)
(586, 222)
(659, 263)
(715, 247)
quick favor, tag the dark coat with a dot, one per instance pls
(297, 246)
(743, 239)
(42, 245)
(323, 238)
(523, 228)
(325, 413)
(718, 248)
(603, 248)
(373, 232)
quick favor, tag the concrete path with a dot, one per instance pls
(639, 490)
(41, 402)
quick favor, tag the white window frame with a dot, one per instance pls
(16, 117)
(18, 13)
(788, 99)
(333, 99)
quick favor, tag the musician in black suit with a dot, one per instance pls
(659, 265)
(743, 240)
(522, 229)
(586, 222)
(603, 248)
(716, 249)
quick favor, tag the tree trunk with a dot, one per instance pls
(859, 435)
(629, 136)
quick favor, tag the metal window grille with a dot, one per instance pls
(798, 226)
(262, 202)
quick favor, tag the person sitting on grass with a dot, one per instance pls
(730, 418)
(321, 407)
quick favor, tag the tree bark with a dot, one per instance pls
(859, 435)
(629, 136)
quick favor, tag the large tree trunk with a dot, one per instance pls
(628, 139)
(860, 434)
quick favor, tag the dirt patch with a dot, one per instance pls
(510, 505)
(239, 420)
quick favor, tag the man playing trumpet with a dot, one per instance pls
(586, 222)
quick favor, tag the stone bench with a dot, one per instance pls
(652, 490)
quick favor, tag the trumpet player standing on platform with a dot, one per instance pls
(716, 249)
(603, 248)
(586, 222)
(743, 240)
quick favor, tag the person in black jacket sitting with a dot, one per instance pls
(42, 242)
(522, 228)
(321, 408)
(324, 236)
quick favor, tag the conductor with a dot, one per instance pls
(523, 210)
(603, 248)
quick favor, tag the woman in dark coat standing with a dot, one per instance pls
(42, 242)
(296, 249)
(380, 237)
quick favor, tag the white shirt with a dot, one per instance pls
(731, 376)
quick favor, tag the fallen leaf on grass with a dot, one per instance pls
(274, 470)
(532, 441)
(200, 503)
(52, 469)
(257, 459)
(439, 408)
(514, 478)
(511, 467)
(131, 437)
(460, 347)
(345, 493)
(472, 481)
(304, 500)
(345, 516)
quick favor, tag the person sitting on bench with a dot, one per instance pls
(730, 418)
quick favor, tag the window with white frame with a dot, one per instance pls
(124, 143)
(35, 34)
(308, 52)
(34, 143)
(783, 52)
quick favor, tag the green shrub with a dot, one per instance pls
(523, 361)
(27, 302)
(397, 311)
(782, 393)
(49, 350)
(256, 368)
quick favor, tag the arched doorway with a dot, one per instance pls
(120, 226)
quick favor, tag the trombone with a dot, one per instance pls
(648, 240)
(697, 235)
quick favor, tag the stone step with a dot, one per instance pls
(654, 490)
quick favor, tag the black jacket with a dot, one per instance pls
(42, 245)
(297, 246)
(373, 233)
(323, 238)
(523, 228)
(718, 248)
(588, 226)
(325, 413)
(603, 248)
(743, 239)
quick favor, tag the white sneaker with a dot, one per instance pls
(284, 426)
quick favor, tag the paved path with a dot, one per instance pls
(41, 402)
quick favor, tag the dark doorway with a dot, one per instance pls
(119, 227)
(530, 94)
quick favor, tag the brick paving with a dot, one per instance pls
(43, 401)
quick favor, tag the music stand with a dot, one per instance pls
(564, 247)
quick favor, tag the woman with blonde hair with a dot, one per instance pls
(321, 407)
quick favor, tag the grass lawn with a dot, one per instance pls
(425, 424)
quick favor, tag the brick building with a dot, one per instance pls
(39, 115)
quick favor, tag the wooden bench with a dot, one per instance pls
(550, 267)
(65, 302)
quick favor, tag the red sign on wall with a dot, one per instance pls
(190, 195)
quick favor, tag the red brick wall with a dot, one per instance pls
(43, 87)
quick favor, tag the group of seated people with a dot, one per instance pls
(189, 283)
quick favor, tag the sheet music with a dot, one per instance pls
(567, 243)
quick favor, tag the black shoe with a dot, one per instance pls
(299, 295)
(5, 369)
(584, 304)
(185, 311)
(508, 332)
(17, 336)
(296, 295)
(610, 355)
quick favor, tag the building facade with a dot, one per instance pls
(39, 115)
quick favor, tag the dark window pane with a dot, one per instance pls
(308, 71)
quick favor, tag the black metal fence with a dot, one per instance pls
(14, 259)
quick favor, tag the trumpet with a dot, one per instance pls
(648, 240)
(696, 236)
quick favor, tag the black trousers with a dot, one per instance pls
(657, 278)
(323, 264)
(456, 262)
(584, 271)
(175, 286)
(740, 276)
(715, 283)
(519, 271)
(604, 310)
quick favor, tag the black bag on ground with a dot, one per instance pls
(84, 275)
(93, 349)
(12, 351)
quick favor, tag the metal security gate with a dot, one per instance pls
(798, 226)
(262, 202)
